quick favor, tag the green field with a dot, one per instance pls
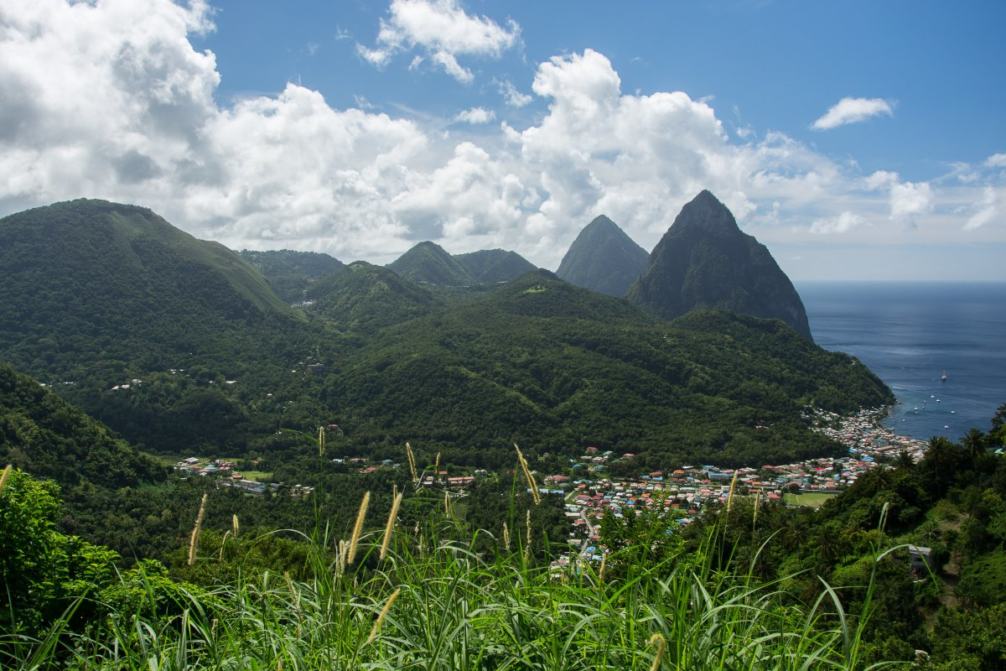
(807, 500)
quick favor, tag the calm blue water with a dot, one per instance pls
(908, 334)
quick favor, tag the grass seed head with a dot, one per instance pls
(354, 539)
(390, 526)
(376, 629)
(658, 641)
(5, 477)
(194, 539)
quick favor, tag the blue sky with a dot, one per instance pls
(344, 126)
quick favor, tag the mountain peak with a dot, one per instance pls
(705, 261)
(603, 258)
(705, 211)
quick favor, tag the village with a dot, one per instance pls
(589, 491)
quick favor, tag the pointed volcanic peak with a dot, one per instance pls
(290, 272)
(705, 261)
(603, 258)
(490, 266)
(428, 263)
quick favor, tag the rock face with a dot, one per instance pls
(603, 258)
(705, 261)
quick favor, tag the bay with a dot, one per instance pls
(909, 334)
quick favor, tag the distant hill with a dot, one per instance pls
(556, 367)
(290, 273)
(705, 261)
(97, 294)
(603, 258)
(490, 266)
(429, 263)
(368, 297)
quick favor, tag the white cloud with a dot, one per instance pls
(512, 96)
(987, 209)
(843, 223)
(996, 161)
(442, 31)
(111, 100)
(852, 110)
(475, 116)
(910, 198)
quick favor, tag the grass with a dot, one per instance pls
(454, 609)
(807, 499)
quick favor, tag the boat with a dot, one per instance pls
(943, 376)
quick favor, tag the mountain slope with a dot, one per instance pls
(97, 295)
(556, 367)
(705, 261)
(46, 436)
(603, 258)
(289, 272)
(368, 297)
(489, 266)
(428, 262)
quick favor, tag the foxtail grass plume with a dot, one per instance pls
(340, 558)
(194, 540)
(354, 539)
(5, 477)
(660, 643)
(604, 563)
(223, 544)
(390, 526)
(436, 468)
(532, 485)
(235, 525)
(506, 537)
(412, 463)
(321, 441)
(527, 543)
(757, 504)
(376, 629)
(447, 503)
(730, 495)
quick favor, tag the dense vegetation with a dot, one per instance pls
(705, 261)
(182, 348)
(556, 368)
(430, 600)
(603, 258)
(428, 263)
(291, 273)
(952, 503)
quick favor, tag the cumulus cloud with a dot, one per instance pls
(843, 223)
(442, 31)
(996, 161)
(910, 198)
(512, 96)
(475, 116)
(111, 100)
(852, 110)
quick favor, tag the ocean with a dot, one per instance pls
(910, 334)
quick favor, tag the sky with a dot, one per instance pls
(857, 140)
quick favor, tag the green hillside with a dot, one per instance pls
(558, 367)
(43, 434)
(290, 273)
(428, 263)
(489, 266)
(368, 297)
